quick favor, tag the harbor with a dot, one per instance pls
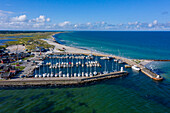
(69, 65)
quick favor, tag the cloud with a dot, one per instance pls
(40, 19)
(149, 25)
(155, 22)
(5, 13)
(20, 18)
(43, 23)
(48, 19)
(64, 23)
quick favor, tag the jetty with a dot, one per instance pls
(130, 62)
(59, 81)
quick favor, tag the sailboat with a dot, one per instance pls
(82, 74)
(67, 68)
(44, 74)
(39, 72)
(51, 69)
(75, 73)
(86, 74)
(95, 73)
(60, 73)
(47, 72)
(105, 72)
(91, 72)
(36, 73)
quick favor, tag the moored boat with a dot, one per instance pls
(135, 68)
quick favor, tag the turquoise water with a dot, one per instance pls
(144, 45)
(135, 93)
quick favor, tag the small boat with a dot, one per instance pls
(105, 72)
(115, 60)
(127, 66)
(44, 75)
(68, 75)
(79, 74)
(48, 75)
(106, 58)
(95, 73)
(40, 76)
(121, 62)
(86, 74)
(135, 68)
(82, 74)
(158, 77)
(36, 76)
(75, 74)
(91, 75)
(56, 75)
(60, 73)
(51, 75)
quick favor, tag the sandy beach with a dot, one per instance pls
(16, 48)
(72, 50)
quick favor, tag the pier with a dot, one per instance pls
(144, 70)
(59, 81)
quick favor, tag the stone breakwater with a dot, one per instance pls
(59, 81)
(74, 50)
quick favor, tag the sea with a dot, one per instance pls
(135, 93)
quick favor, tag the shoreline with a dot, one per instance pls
(63, 49)
(74, 50)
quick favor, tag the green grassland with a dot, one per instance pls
(30, 42)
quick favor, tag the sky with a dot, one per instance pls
(85, 15)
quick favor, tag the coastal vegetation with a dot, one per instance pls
(20, 67)
(31, 42)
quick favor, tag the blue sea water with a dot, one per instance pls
(143, 45)
(135, 93)
(139, 45)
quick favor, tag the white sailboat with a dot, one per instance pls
(95, 73)
(105, 71)
(39, 72)
(67, 69)
(135, 68)
(60, 73)
(36, 75)
(44, 74)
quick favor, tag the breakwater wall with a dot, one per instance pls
(59, 81)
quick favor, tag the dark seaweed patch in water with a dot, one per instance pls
(21, 111)
(18, 98)
(66, 110)
(158, 99)
(36, 96)
(83, 104)
(69, 95)
(45, 107)
(51, 92)
(3, 98)
(94, 111)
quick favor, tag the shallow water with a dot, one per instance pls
(2, 41)
(133, 93)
